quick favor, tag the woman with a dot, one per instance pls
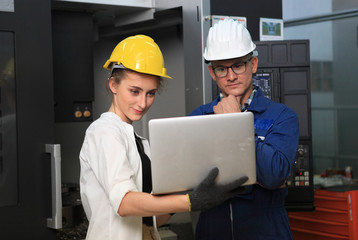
(115, 169)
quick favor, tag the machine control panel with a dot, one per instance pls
(263, 80)
(300, 175)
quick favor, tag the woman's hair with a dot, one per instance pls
(119, 73)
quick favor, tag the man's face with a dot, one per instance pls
(235, 84)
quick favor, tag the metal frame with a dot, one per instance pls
(196, 24)
(321, 18)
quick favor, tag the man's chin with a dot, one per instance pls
(234, 93)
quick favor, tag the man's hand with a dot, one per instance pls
(229, 104)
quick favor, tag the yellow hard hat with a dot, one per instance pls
(139, 53)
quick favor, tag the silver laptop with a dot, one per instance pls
(185, 149)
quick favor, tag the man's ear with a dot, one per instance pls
(211, 71)
(255, 63)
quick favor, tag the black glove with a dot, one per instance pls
(208, 194)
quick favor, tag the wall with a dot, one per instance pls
(323, 37)
(334, 82)
(252, 10)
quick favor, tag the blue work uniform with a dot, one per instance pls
(259, 212)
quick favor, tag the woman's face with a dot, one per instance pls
(133, 96)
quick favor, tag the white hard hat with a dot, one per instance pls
(228, 39)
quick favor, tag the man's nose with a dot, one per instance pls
(230, 74)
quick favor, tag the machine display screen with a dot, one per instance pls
(263, 80)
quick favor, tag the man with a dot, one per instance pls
(257, 213)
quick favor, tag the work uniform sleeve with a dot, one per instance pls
(205, 109)
(106, 151)
(276, 147)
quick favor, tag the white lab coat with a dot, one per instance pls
(110, 167)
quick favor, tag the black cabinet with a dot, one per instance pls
(26, 64)
(72, 34)
(284, 76)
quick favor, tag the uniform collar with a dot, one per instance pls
(259, 102)
(246, 105)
